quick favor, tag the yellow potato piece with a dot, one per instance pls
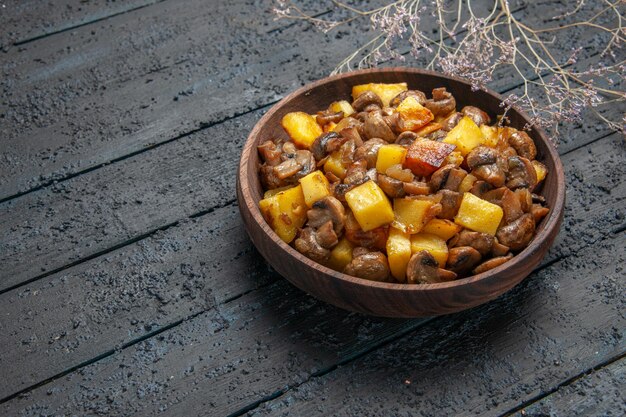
(466, 135)
(389, 155)
(410, 214)
(315, 186)
(333, 164)
(445, 229)
(386, 92)
(467, 183)
(302, 128)
(285, 212)
(273, 192)
(540, 169)
(431, 243)
(490, 134)
(370, 206)
(341, 106)
(398, 253)
(413, 114)
(341, 255)
(478, 214)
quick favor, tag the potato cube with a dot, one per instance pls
(435, 245)
(411, 214)
(540, 169)
(285, 212)
(302, 128)
(341, 106)
(370, 206)
(490, 134)
(389, 155)
(333, 164)
(426, 156)
(315, 186)
(341, 255)
(385, 91)
(398, 253)
(414, 116)
(466, 135)
(273, 192)
(443, 228)
(478, 214)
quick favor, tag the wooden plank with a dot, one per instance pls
(276, 338)
(600, 393)
(28, 20)
(106, 322)
(561, 322)
(121, 89)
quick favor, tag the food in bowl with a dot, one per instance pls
(398, 187)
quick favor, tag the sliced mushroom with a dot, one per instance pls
(525, 198)
(327, 116)
(448, 177)
(521, 173)
(352, 133)
(406, 138)
(365, 99)
(482, 242)
(442, 102)
(370, 265)
(477, 115)
(498, 249)
(451, 121)
(306, 243)
(490, 173)
(416, 188)
(480, 188)
(523, 144)
(356, 173)
(369, 151)
(450, 203)
(483, 161)
(403, 174)
(418, 95)
(511, 206)
(462, 259)
(326, 236)
(269, 180)
(424, 269)
(325, 144)
(270, 153)
(539, 212)
(375, 126)
(307, 161)
(492, 263)
(327, 209)
(347, 151)
(481, 155)
(392, 187)
(339, 190)
(517, 234)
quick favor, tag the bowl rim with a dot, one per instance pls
(552, 221)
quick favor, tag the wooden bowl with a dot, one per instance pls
(378, 298)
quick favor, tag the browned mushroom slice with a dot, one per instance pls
(392, 187)
(525, 198)
(517, 234)
(477, 115)
(351, 133)
(451, 121)
(442, 103)
(369, 151)
(306, 243)
(327, 209)
(269, 180)
(406, 138)
(327, 116)
(481, 155)
(347, 152)
(287, 168)
(462, 259)
(448, 177)
(482, 242)
(483, 161)
(521, 173)
(369, 265)
(416, 188)
(480, 188)
(375, 126)
(511, 206)
(539, 212)
(356, 173)
(326, 236)
(418, 95)
(490, 173)
(498, 249)
(339, 190)
(450, 203)
(325, 144)
(523, 144)
(270, 153)
(403, 174)
(366, 99)
(492, 263)
(424, 269)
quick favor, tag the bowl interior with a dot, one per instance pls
(320, 94)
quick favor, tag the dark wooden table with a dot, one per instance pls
(128, 285)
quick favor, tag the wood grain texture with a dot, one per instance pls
(384, 299)
(128, 294)
(485, 361)
(601, 393)
(276, 338)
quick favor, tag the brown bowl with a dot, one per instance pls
(378, 298)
